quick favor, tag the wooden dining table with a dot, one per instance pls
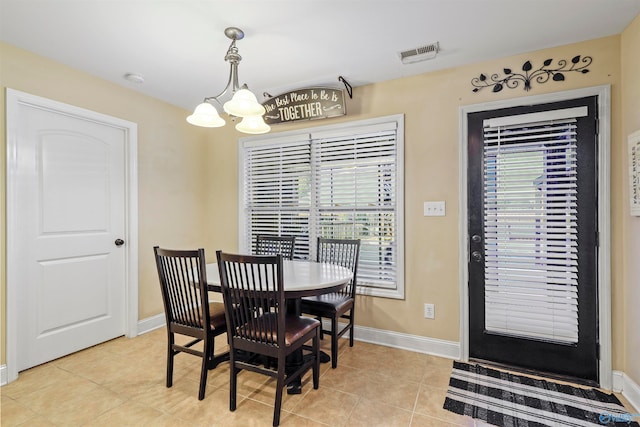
(301, 279)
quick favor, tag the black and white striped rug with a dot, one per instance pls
(508, 400)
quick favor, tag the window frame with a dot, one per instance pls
(296, 135)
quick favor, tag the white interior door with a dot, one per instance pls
(68, 196)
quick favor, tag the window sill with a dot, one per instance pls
(378, 292)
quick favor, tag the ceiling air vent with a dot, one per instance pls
(421, 53)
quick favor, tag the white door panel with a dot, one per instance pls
(65, 299)
(78, 162)
(72, 174)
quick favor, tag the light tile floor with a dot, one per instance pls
(122, 383)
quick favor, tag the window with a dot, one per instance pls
(340, 181)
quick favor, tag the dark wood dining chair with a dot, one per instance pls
(183, 281)
(274, 245)
(258, 324)
(336, 305)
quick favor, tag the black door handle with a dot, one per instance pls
(477, 256)
(119, 242)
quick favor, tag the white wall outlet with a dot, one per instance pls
(429, 311)
(434, 208)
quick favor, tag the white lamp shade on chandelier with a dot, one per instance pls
(206, 115)
(243, 104)
(253, 125)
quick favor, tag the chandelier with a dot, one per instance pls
(243, 104)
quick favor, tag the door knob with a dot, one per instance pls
(119, 242)
(476, 238)
(477, 256)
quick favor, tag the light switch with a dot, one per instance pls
(434, 208)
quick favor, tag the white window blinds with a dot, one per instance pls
(530, 203)
(355, 196)
(277, 197)
(335, 182)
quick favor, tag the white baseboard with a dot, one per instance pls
(617, 381)
(436, 347)
(631, 390)
(3, 375)
(433, 346)
(151, 323)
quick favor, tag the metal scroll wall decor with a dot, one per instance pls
(543, 74)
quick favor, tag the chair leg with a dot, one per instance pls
(209, 355)
(170, 354)
(233, 382)
(351, 328)
(319, 319)
(279, 389)
(204, 369)
(334, 342)
(316, 363)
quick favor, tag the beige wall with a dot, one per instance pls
(170, 153)
(630, 47)
(430, 103)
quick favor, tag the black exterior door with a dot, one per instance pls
(513, 230)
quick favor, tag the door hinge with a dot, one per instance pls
(597, 127)
(597, 239)
(598, 351)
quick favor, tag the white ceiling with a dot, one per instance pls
(178, 46)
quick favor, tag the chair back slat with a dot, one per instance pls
(254, 297)
(183, 283)
(343, 252)
(274, 245)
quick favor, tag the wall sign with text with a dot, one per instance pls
(304, 104)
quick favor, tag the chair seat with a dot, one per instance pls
(295, 328)
(216, 312)
(217, 317)
(333, 302)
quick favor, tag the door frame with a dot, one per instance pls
(603, 94)
(15, 98)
